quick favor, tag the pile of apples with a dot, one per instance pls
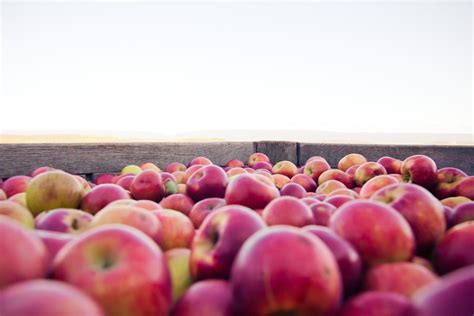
(391, 237)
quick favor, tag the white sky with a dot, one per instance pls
(169, 68)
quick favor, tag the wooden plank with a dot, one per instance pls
(461, 157)
(278, 151)
(89, 158)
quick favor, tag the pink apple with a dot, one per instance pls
(421, 170)
(453, 251)
(338, 200)
(234, 163)
(16, 212)
(16, 184)
(64, 220)
(235, 171)
(125, 181)
(280, 180)
(367, 171)
(322, 212)
(287, 210)
(146, 204)
(177, 230)
(350, 160)
(305, 181)
(336, 174)
(104, 262)
(220, 238)
(447, 181)
(466, 188)
(378, 304)
(104, 178)
(148, 186)
(175, 166)
(461, 213)
(53, 241)
(178, 202)
(256, 157)
(203, 208)
(315, 168)
(254, 191)
(150, 166)
(375, 184)
(3, 195)
(285, 167)
(392, 165)
(200, 161)
(330, 186)
(293, 189)
(209, 181)
(39, 170)
(454, 201)
(101, 195)
(265, 165)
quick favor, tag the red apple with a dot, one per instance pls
(404, 278)
(421, 170)
(189, 172)
(390, 164)
(453, 251)
(451, 296)
(367, 171)
(203, 208)
(293, 189)
(347, 192)
(285, 167)
(305, 181)
(254, 191)
(220, 238)
(377, 231)
(313, 158)
(147, 205)
(330, 186)
(16, 184)
(150, 166)
(347, 258)
(65, 220)
(104, 262)
(16, 212)
(338, 200)
(375, 184)
(175, 166)
(461, 213)
(420, 208)
(336, 174)
(466, 188)
(51, 190)
(447, 181)
(46, 298)
(178, 202)
(209, 181)
(287, 210)
(302, 280)
(322, 212)
(54, 241)
(352, 170)
(209, 297)
(256, 157)
(177, 230)
(23, 254)
(104, 178)
(280, 180)
(454, 201)
(39, 170)
(265, 165)
(235, 171)
(234, 163)
(378, 304)
(315, 167)
(101, 195)
(125, 181)
(350, 160)
(200, 161)
(148, 186)
(178, 264)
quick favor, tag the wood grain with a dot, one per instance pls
(278, 151)
(18, 159)
(461, 157)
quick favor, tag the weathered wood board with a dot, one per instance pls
(278, 151)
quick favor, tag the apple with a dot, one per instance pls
(421, 210)
(313, 158)
(15, 184)
(150, 166)
(146, 204)
(131, 169)
(104, 178)
(220, 238)
(466, 188)
(126, 181)
(265, 173)
(315, 168)
(209, 181)
(455, 201)
(392, 165)
(348, 260)
(302, 280)
(293, 189)
(453, 251)
(305, 181)
(350, 160)
(254, 191)
(348, 192)
(249, 170)
(338, 200)
(39, 170)
(377, 231)
(177, 230)
(404, 278)
(451, 296)
(46, 298)
(84, 183)
(461, 213)
(189, 172)
(24, 256)
(64, 220)
(308, 200)
(234, 163)
(101, 195)
(265, 165)
(51, 190)
(367, 171)
(16, 212)
(447, 181)
(170, 183)
(280, 180)
(423, 262)
(180, 177)
(421, 170)
(3, 195)
(352, 170)
(209, 297)
(235, 171)
(203, 208)
(378, 304)
(103, 263)
(330, 186)
(178, 265)
(375, 184)
(133, 216)
(287, 210)
(336, 174)
(322, 211)
(175, 166)
(200, 161)
(148, 185)
(53, 241)
(256, 157)
(285, 167)
(178, 202)
(182, 188)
